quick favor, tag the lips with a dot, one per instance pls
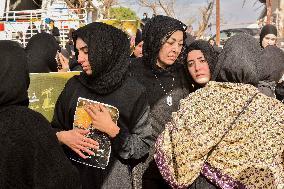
(200, 75)
(172, 57)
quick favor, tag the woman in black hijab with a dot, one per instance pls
(138, 46)
(164, 78)
(31, 156)
(41, 52)
(268, 35)
(103, 52)
(270, 71)
(207, 55)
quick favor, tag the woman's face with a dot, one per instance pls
(269, 39)
(198, 67)
(138, 50)
(170, 50)
(83, 59)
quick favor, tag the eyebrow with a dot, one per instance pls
(175, 39)
(83, 47)
(198, 58)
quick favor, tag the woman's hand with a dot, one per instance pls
(64, 63)
(77, 141)
(101, 119)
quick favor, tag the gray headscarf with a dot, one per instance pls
(237, 63)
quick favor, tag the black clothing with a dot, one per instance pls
(157, 97)
(14, 75)
(108, 54)
(41, 51)
(160, 111)
(238, 61)
(55, 31)
(31, 156)
(271, 65)
(167, 82)
(133, 140)
(267, 29)
(279, 91)
(217, 49)
(270, 69)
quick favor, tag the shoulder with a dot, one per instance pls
(25, 119)
(72, 82)
(136, 66)
(131, 84)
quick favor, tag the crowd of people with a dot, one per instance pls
(191, 115)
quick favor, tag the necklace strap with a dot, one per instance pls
(160, 83)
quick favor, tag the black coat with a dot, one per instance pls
(31, 156)
(174, 83)
(131, 143)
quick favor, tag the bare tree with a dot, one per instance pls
(167, 6)
(206, 13)
(153, 5)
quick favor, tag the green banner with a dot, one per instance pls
(44, 90)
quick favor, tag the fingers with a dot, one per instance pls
(91, 143)
(80, 153)
(90, 110)
(82, 131)
(102, 108)
(87, 150)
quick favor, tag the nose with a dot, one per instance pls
(176, 47)
(197, 66)
(270, 42)
(80, 59)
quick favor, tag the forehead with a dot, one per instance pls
(80, 43)
(177, 35)
(195, 54)
(270, 36)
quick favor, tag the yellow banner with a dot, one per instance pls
(128, 26)
(44, 90)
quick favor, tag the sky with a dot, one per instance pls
(233, 13)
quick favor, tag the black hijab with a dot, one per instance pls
(108, 53)
(271, 65)
(237, 63)
(14, 74)
(267, 29)
(41, 51)
(209, 54)
(207, 50)
(154, 35)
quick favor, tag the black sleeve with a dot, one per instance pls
(60, 120)
(279, 91)
(136, 142)
(53, 168)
